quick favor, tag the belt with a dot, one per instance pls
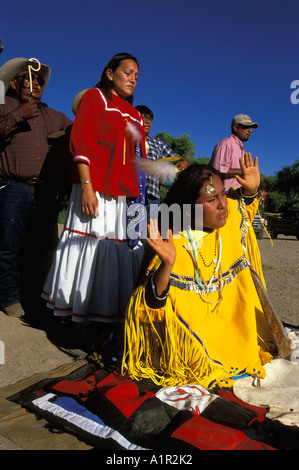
(31, 181)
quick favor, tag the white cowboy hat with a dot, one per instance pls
(13, 67)
(77, 100)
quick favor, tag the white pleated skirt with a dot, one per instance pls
(94, 271)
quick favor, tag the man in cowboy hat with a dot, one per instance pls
(27, 205)
(226, 154)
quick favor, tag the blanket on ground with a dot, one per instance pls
(112, 412)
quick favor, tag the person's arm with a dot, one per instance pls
(29, 109)
(250, 179)
(82, 143)
(167, 254)
(10, 120)
(222, 159)
(232, 173)
(89, 201)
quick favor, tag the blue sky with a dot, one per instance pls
(201, 62)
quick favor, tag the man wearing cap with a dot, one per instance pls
(25, 125)
(228, 151)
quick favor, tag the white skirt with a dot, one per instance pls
(94, 271)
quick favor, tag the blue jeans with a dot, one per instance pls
(16, 202)
(28, 239)
(152, 206)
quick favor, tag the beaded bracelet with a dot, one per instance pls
(154, 291)
(85, 182)
(249, 197)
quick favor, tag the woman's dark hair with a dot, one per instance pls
(188, 183)
(186, 187)
(115, 61)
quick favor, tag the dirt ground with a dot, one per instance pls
(281, 271)
(27, 349)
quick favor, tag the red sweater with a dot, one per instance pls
(104, 137)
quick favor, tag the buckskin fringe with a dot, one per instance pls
(160, 347)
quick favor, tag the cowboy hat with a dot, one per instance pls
(77, 100)
(13, 67)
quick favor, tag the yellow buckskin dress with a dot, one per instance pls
(217, 323)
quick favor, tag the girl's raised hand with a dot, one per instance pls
(250, 179)
(165, 249)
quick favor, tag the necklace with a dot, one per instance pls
(214, 260)
(200, 280)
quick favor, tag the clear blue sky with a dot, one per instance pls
(201, 62)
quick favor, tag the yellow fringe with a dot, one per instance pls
(253, 254)
(180, 359)
(265, 228)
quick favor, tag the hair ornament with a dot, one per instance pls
(210, 187)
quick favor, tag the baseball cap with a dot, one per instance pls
(245, 120)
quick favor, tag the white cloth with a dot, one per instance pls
(279, 390)
(93, 276)
(191, 397)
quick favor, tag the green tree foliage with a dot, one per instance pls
(182, 145)
(282, 189)
(275, 202)
(163, 191)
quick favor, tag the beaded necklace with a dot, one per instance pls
(200, 280)
(214, 260)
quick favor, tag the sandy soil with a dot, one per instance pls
(27, 349)
(281, 271)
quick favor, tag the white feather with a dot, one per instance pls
(131, 129)
(164, 172)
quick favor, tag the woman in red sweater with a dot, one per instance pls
(98, 259)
